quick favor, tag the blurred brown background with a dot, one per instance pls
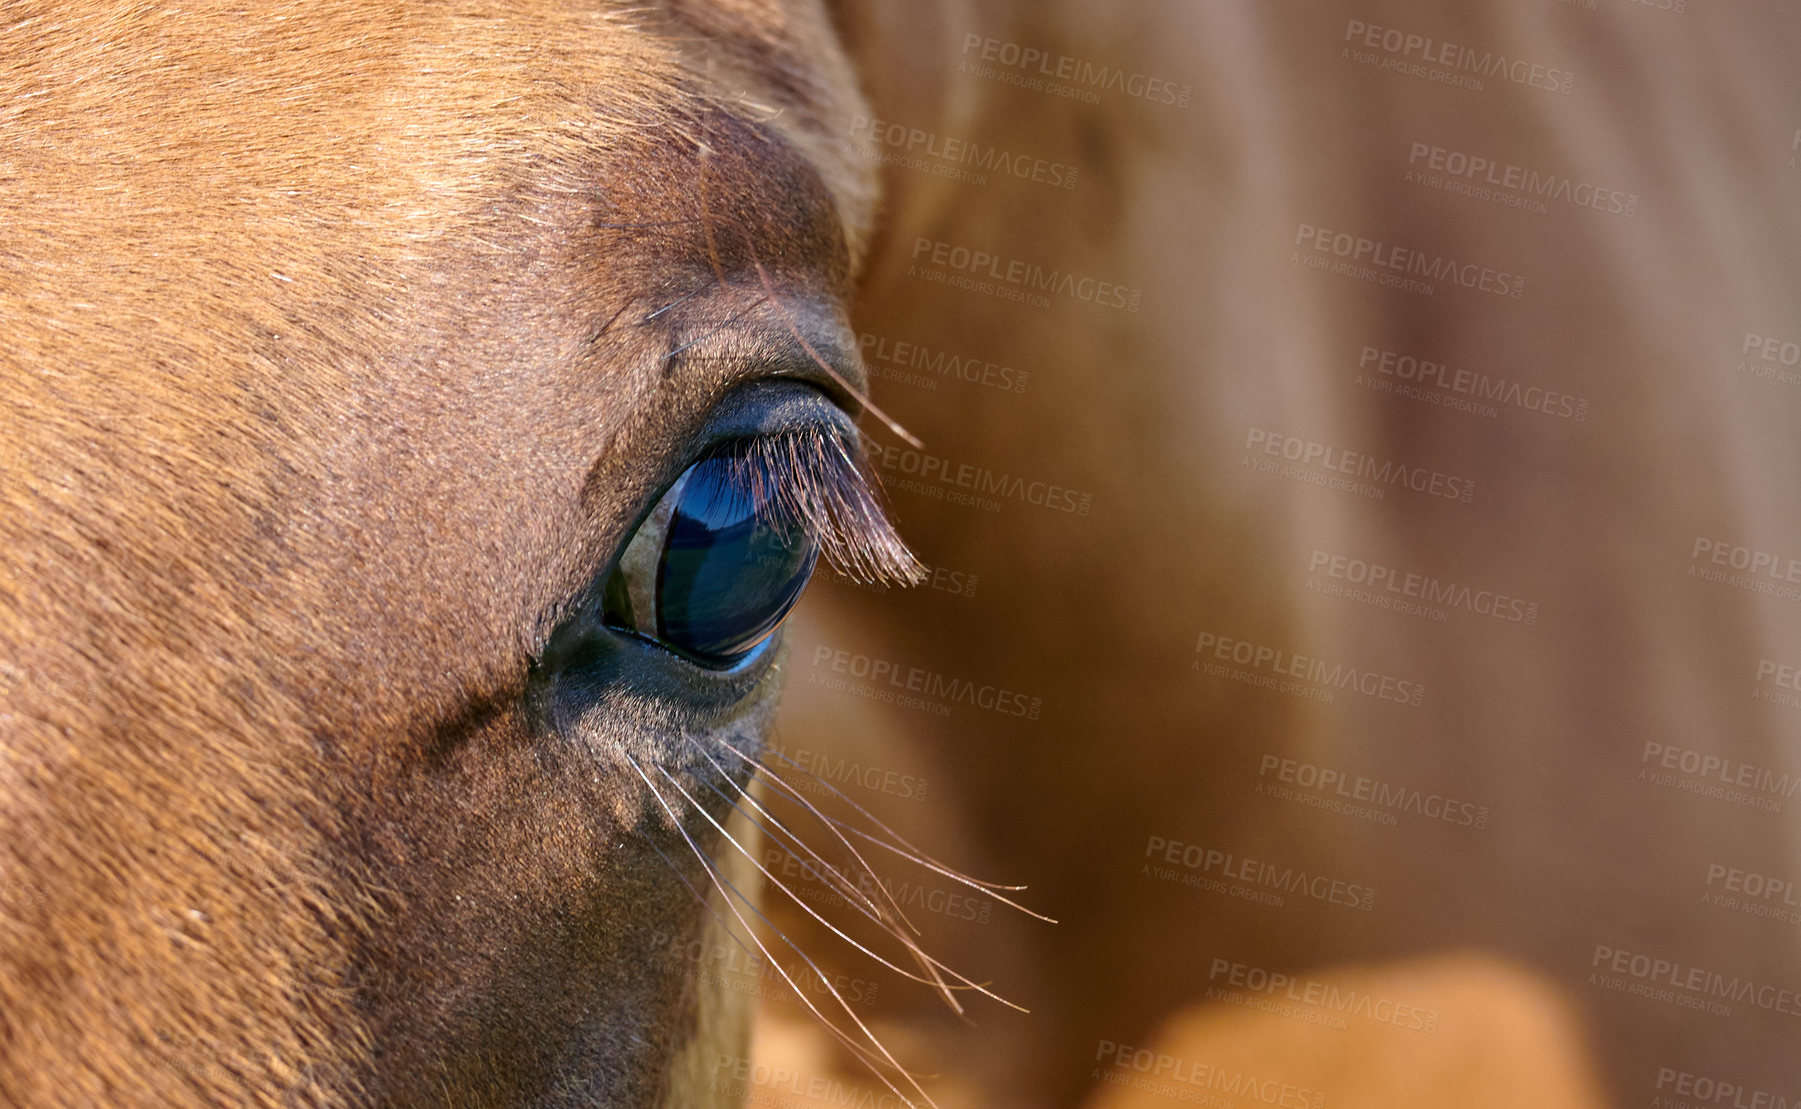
(1448, 348)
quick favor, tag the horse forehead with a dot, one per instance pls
(351, 183)
(378, 128)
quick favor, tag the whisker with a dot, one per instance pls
(912, 854)
(758, 767)
(890, 917)
(927, 963)
(739, 940)
(724, 885)
(703, 337)
(698, 896)
(611, 320)
(683, 299)
(830, 870)
(881, 917)
(873, 819)
(948, 873)
(937, 981)
(888, 421)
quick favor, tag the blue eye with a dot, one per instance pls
(714, 568)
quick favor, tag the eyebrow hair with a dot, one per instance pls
(820, 478)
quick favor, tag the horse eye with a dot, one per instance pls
(714, 568)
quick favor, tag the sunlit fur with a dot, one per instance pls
(327, 381)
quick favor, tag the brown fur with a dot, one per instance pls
(323, 388)
(323, 391)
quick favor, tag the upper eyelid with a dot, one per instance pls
(774, 403)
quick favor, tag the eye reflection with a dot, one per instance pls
(714, 568)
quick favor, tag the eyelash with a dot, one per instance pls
(812, 476)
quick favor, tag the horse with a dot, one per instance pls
(361, 366)
(417, 422)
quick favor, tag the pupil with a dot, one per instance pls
(728, 574)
